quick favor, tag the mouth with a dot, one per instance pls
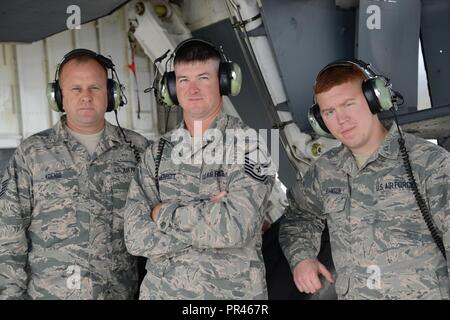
(347, 131)
(85, 106)
(84, 109)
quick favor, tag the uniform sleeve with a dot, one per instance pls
(142, 237)
(15, 213)
(301, 228)
(232, 222)
(437, 191)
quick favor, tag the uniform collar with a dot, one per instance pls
(109, 138)
(343, 158)
(220, 123)
(389, 149)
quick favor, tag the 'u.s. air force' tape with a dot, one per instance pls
(255, 170)
(3, 188)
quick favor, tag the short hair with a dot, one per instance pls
(337, 75)
(81, 59)
(195, 51)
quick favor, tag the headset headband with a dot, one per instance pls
(183, 43)
(365, 68)
(361, 65)
(104, 61)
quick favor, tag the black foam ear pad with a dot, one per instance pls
(54, 96)
(167, 89)
(171, 83)
(114, 93)
(230, 78)
(58, 96)
(316, 121)
(224, 78)
(110, 93)
(371, 98)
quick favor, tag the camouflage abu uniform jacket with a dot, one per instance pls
(198, 249)
(61, 233)
(381, 246)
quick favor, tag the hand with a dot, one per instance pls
(155, 212)
(266, 226)
(306, 275)
(218, 197)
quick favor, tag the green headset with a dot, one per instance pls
(114, 88)
(376, 89)
(230, 75)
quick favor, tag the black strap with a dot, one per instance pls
(281, 125)
(419, 199)
(159, 154)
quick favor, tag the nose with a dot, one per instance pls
(193, 88)
(86, 96)
(341, 115)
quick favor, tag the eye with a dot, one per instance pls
(350, 104)
(328, 114)
(203, 77)
(76, 89)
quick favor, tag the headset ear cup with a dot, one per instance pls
(230, 78)
(114, 95)
(371, 98)
(54, 96)
(377, 94)
(171, 83)
(224, 78)
(110, 93)
(165, 84)
(316, 121)
(235, 78)
(383, 93)
(163, 93)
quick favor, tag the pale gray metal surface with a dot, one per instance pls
(305, 36)
(430, 123)
(388, 38)
(32, 20)
(435, 30)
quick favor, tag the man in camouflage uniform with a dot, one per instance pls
(198, 221)
(61, 230)
(381, 246)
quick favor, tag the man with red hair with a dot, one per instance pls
(364, 190)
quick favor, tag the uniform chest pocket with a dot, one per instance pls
(213, 181)
(169, 180)
(334, 209)
(120, 186)
(396, 192)
(398, 220)
(334, 203)
(57, 183)
(180, 183)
